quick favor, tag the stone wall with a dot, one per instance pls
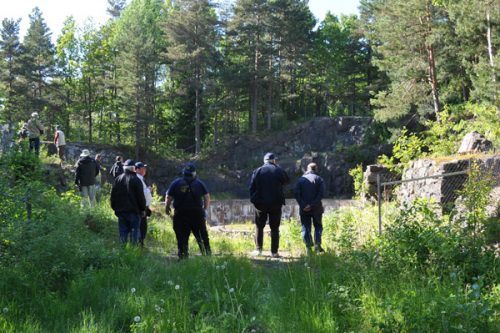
(239, 211)
(443, 190)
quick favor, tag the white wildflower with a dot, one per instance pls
(292, 290)
(5, 310)
(253, 319)
(133, 290)
(231, 290)
(475, 286)
(170, 283)
(177, 287)
(137, 319)
(162, 301)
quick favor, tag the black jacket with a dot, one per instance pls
(266, 185)
(116, 169)
(309, 190)
(86, 171)
(127, 194)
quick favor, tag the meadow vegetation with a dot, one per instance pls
(62, 269)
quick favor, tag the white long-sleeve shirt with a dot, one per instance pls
(147, 191)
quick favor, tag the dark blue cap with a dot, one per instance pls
(189, 169)
(129, 163)
(269, 156)
(140, 165)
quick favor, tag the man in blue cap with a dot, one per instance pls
(191, 200)
(266, 193)
(128, 202)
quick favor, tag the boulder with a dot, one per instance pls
(370, 179)
(474, 142)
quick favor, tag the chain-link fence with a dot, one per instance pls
(438, 180)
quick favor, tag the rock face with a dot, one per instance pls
(333, 143)
(443, 189)
(474, 142)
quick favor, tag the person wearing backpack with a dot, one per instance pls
(191, 200)
(117, 168)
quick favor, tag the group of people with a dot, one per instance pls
(188, 200)
(33, 129)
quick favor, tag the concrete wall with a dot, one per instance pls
(239, 211)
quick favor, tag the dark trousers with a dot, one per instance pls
(35, 144)
(128, 227)
(262, 214)
(60, 152)
(307, 220)
(143, 229)
(187, 221)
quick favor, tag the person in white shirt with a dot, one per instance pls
(60, 142)
(140, 170)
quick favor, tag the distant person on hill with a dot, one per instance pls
(117, 168)
(86, 172)
(35, 129)
(128, 202)
(99, 178)
(191, 201)
(266, 193)
(309, 191)
(140, 170)
(60, 142)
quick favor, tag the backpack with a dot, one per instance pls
(116, 170)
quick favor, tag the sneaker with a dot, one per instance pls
(319, 249)
(308, 251)
(256, 253)
(275, 255)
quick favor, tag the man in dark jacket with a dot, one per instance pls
(191, 201)
(128, 202)
(86, 171)
(266, 193)
(309, 191)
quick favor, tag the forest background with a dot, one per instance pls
(180, 77)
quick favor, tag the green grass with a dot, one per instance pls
(66, 272)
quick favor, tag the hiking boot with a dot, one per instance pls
(256, 253)
(275, 255)
(319, 249)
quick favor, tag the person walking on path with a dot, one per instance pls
(191, 201)
(35, 129)
(309, 191)
(60, 142)
(266, 194)
(140, 170)
(117, 168)
(128, 203)
(86, 172)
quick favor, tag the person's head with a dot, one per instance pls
(98, 157)
(119, 158)
(270, 158)
(189, 170)
(85, 153)
(34, 115)
(58, 127)
(312, 167)
(129, 165)
(140, 168)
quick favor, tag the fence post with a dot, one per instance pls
(379, 201)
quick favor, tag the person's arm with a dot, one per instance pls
(298, 194)
(56, 136)
(206, 201)
(168, 201)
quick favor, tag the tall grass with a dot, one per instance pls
(65, 271)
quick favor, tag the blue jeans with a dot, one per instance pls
(128, 225)
(307, 220)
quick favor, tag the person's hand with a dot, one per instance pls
(168, 210)
(307, 208)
